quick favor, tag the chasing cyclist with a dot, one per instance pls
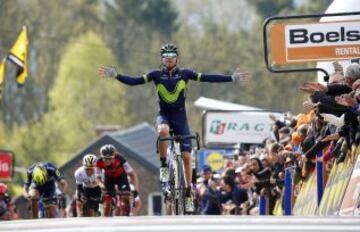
(88, 192)
(171, 84)
(115, 177)
(40, 184)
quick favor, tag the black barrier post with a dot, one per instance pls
(265, 41)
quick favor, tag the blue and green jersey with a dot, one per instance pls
(171, 89)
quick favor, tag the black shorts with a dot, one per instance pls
(121, 181)
(94, 193)
(93, 196)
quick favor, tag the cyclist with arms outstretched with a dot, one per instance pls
(171, 84)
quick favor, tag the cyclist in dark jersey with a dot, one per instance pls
(40, 184)
(115, 172)
(171, 84)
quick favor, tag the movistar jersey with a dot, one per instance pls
(171, 89)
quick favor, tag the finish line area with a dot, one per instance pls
(186, 223)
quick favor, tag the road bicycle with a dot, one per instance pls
(177, 180)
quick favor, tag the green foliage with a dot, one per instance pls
(266, 8)
(55, 114)
(136, 29)
(51, 24)
(80, 100)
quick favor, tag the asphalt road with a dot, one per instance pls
(185, 223)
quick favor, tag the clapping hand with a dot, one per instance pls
(311, 87)
(345, 100)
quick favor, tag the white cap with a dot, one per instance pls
(239, 169)
(216, 176)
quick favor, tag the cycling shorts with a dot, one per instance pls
(177, 121)
(121, 181)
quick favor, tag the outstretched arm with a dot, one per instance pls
(213, 78)
(236, 77)
(131, 80)
(110, 72)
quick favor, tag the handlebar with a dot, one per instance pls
(178, 139)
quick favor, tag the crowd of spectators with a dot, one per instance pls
(330, 124)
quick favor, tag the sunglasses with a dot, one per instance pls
(169, 55)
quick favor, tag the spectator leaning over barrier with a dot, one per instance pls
(233, 197)
(7, 206)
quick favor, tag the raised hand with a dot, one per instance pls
(316, 86)
(108, 72)
(331, 137)
(309, 106)
(239, 76)
(307, 89)
(345, 100)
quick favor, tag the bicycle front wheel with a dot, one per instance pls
(179, 199)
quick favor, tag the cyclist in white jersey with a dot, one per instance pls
(88, 190)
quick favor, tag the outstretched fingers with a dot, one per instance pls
(102, 71)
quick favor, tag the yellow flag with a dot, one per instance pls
(2, 76)
(18, 56)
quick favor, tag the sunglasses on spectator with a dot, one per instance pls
(169, 55)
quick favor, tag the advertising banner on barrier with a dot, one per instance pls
(352, 195)
(215, 158)
(6, 165)
(335, 188)
(320, 41)
(234, 127)
(306, 201)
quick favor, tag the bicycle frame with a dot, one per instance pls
(177, 179)
(90, 207)
(45, 209)
(123, 203)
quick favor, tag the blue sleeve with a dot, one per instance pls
(356, 109)
(207, 77)
(135, 80)
(29, 177)
(54, 171)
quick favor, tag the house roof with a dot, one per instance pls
(141, 139)
(137, 142)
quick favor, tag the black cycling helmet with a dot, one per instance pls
(107, 150)
(169, 48)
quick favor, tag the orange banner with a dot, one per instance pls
(325, 41)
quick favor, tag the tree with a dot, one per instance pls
(79, 101)
(49, 31)
(266, 8)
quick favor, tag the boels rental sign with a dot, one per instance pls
(315, 41)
